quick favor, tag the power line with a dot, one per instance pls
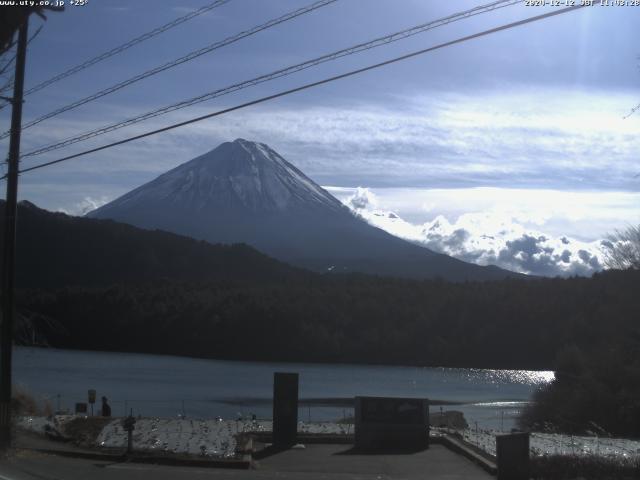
(9, 84)
(13, 58)
(310, 85)
(127, 45)
(178, 61)
(4, 68)
(278, 74)
(632, 111)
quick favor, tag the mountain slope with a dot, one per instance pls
(56, 250)
(245, 192)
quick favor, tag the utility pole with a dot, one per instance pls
(8, 254)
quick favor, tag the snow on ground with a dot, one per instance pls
(211, 438)
(196, 437)
(555, 444)
(215, 438)
(42, 424)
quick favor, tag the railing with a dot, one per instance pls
(195, 408)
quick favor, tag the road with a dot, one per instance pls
(316, 462)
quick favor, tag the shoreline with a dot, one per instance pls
(296, 362)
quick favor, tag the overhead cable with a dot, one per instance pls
(276, 74)
(127, 45)
(310, 85)
(178, 61)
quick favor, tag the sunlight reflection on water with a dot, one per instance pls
(525, 377)
(166, 386)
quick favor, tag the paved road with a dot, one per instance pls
(327, 462)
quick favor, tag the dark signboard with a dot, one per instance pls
(81, 407)
(512, 456)
(285, 409)
(391, 423)
(393, 410)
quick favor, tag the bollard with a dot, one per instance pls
(512, 456)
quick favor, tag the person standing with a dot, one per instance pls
(106, 408)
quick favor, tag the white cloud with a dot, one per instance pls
(84, 206)
(508, 236)
(544, 140)
(362, 199)
(585, 215)
(550, 137)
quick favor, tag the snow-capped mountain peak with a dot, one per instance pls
(244, 191)
(240, 175)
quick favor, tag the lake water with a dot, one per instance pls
(156, 385)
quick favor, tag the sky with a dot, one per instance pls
(516, 149)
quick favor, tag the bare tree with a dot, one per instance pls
(622, 249)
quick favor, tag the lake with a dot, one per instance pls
(167, 386)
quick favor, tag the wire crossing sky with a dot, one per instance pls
(307, 86)
(125, 46)
(186, 58)
(377, 42)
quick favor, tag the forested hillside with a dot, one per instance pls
(54, 250)
(96, 284)
(354, 318)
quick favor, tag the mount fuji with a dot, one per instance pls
(245, 192)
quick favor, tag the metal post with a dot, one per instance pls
(8, 254)
(129, 424)
(130, 441)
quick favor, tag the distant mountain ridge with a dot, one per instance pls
(246, 192)
(57, 250)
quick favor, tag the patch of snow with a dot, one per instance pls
(556, 444)
(212, 438)
(217, 438)
(38, 424)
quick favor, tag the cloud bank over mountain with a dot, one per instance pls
(495, 237)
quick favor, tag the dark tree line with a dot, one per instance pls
(354, 318)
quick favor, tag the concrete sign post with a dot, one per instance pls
(391, 423)
(285, 409)
(512, 456)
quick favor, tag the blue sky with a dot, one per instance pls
(515, 136)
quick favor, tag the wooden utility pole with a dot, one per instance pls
(8, 254)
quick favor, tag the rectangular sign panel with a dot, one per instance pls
(512, 456)
(285, 409)
(391, 423)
